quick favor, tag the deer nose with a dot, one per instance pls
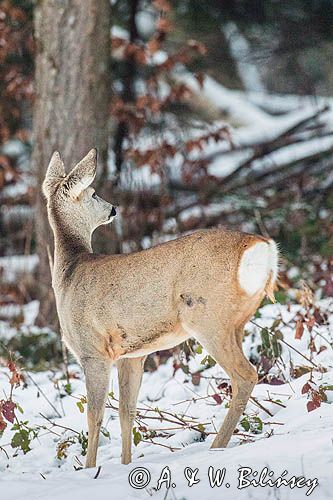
(113, 212)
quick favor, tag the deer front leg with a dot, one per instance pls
(97, 373)
(129, 376)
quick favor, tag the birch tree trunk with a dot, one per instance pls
(72, 103)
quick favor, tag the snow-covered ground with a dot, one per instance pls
(288, 437)
(292, 439)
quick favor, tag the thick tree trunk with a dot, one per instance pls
(72, 102)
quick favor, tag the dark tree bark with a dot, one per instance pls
(72, 102)
(128, 94)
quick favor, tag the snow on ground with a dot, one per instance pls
(11, 311)
(292, 438)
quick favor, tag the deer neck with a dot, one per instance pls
(69, 244)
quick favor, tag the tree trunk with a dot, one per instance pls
(128, 94)
(72, 103)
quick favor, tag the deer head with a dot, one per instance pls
(72, 203)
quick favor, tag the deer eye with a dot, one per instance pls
(94, 195)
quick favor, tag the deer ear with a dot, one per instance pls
(54, 173)
(82, 174)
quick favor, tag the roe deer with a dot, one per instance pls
(119, 308)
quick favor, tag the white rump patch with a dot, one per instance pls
(256, 265)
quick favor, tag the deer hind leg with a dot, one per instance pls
(243, 377)
(97, 373)
(129, 375)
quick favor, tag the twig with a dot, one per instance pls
(98, 472)
(260, 223)
(287, 344)
(180, 427)
(65, 358)
(58, 425)
(160, 444)
(5, 452)
(255, 401)
(278, 403)
(60, 398)
(43, 394)
(269, 147)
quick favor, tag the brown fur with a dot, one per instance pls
(122, 307)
